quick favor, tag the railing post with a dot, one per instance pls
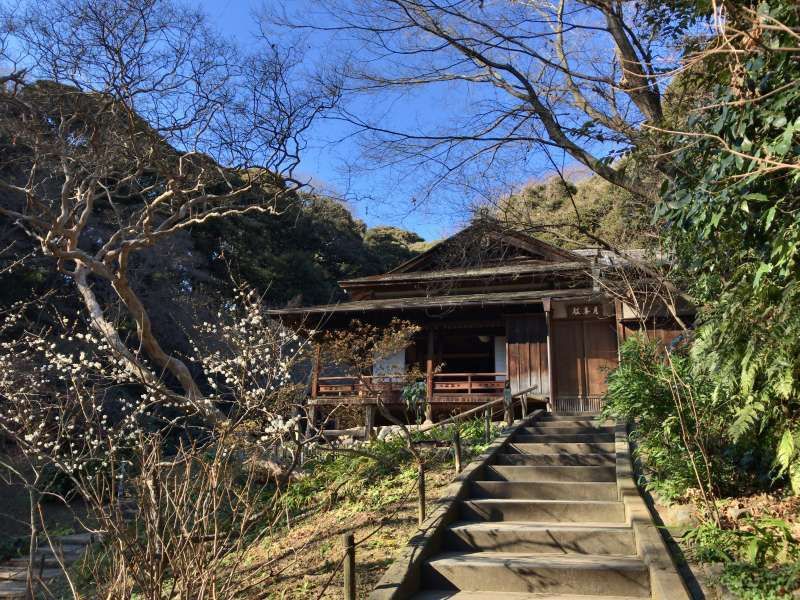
(315, 371)
(429, 378)
(487, 429)
(457, 449)
(369, 422)
(348, 541)
(523, 402)
(421, 494)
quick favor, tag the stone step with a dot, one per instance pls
(587, 460)
(541, 538)
(510, 572)
(560, 447)
(48, 562)
(82, 539)
(569, 416)
(21, 573)
(545, 490)
(451, 595)
(550, 473)
(565, 511)
(13, 591)
(579, 430)
(61, 549)
(584, 423)
(545, 438)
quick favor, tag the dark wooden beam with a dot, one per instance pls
(315, 371)
(551, 368)
(429, 376)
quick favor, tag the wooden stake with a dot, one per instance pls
(421, 494)
(315, 371)
(457, 450)
(349, 543)
(369, 422)
(429, 378)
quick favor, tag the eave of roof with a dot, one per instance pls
(518, 269)
(489, 299)
(493, 228)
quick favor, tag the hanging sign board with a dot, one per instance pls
(585, 310)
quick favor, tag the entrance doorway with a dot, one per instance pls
(584, 351)
(527, 354)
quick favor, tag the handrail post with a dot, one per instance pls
(369, 422)
(315, 371)
(487, 429)
(421, 493)
(457, 449)
(429, 378)
(348, 541)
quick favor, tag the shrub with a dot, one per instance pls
(761, 559)
(681, 429)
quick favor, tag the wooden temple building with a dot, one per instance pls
(493, 306)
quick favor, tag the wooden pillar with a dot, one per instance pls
(551, 382)
(457, 449)
(508, 407)
(421, 509)
(618, 308)
(315, 371)
(313, 418)
(369, 421)
(429, 377)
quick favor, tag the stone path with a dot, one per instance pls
(545, 521)
(13, 572)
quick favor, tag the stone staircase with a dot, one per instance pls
(545, 520)
(47, 565)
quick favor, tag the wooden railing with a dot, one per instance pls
(469, 383)
(483, 384)
(348, 385)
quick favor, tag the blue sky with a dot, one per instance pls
(382, 196)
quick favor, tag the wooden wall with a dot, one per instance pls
(527, 353)
(663, 330)
(584, 351)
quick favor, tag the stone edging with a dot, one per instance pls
(665, 581)
(402, 578)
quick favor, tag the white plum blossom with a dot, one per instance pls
(70, 401)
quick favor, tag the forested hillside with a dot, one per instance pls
(297, 256)
(563, 212)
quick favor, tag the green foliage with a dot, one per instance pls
(414, 397)
(548, 209)
(751, 582)
(734, 224)
(343, 476)
(391, 246)
(760, 542)
(11, 547)
(761, 559)
(301, 253)
(383, 474)
(658, 394)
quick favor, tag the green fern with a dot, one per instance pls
(745, 419)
